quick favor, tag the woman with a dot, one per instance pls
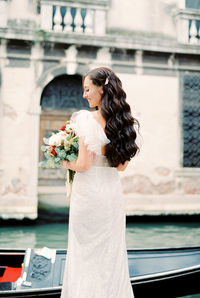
(97, 262)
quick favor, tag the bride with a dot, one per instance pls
(97, 262)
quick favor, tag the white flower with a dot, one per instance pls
(54, 139)
(57, 139)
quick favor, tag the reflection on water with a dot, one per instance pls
(50, 235)
(152, 235)
(138, 235)
(17, 237)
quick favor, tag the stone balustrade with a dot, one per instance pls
(73, 17)
(89, 17)
(188, 26)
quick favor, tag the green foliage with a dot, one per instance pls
(46, 155)
(46, 141)
(57, 159)
(54, 155)
(40, 36)
(71, 157)
(42, 164)
(61, 153)
(71, 175)
(52, 164)
(57, 149)
(75, 145)
(43, 148)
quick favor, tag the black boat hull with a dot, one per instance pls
(165, 273)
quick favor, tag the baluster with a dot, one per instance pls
(198, 30)
(78, 21)
(57, 20)
(89, 24)
(193, 33)
(63, 11)
(68, 20)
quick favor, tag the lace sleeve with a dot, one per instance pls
(87, 127)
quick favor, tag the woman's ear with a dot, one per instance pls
(100, 88)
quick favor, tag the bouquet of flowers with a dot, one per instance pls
(62, 145)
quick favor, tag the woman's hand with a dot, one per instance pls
(84, 160)
(65, 164)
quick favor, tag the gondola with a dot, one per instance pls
(164, 272)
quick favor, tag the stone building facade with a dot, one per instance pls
(154, 47)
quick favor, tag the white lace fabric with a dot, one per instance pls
(96, 263)
(87, 127)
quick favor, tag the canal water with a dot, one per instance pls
(138, 235)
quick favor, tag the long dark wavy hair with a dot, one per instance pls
(120, 124)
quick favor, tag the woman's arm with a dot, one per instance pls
(84, 160)
(122, 167)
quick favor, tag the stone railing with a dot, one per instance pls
(88, 17)
(188, 26)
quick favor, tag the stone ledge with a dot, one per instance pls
(18, 206)
(179, 204)
(107, 40)
(44, 190)
(162, 205)
(100, 3)
(188, 172)
(6, 213)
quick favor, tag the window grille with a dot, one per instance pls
(191, 120)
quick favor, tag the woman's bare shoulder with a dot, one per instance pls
(122, 167)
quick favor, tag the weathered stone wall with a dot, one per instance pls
(155, 181)
(155, 102)
(16, 140)
(143, 17)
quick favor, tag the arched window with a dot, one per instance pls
(63, 93)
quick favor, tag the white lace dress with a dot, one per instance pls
(97, 262)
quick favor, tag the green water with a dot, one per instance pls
(138, 235)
